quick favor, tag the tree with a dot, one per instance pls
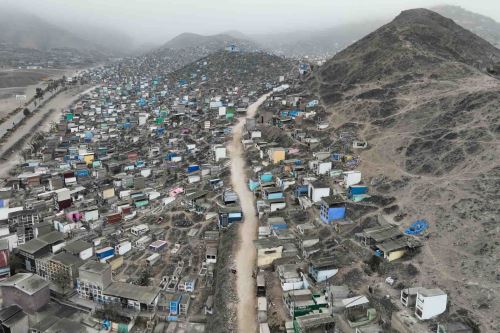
(144, 277)
(39, 93)
(26, 112)
(62, 279)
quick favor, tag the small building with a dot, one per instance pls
(13, 320)
(158, 246)
(430, 303)
(139, 230)
(318, 190)
(84, 250)
(27, 290)
(93, 278)
(211, 254)
(130, 296)
(291, 278)
(276, 155)
(153, 259)
(352, 178)
(229, 214)
(332, 208)
(322, 269)
(314, 322)
(268, 250)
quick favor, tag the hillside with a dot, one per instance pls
(417, 90)
(210, 43)
(187, 48)
(245, 70)
(483, 26)
(29, 31)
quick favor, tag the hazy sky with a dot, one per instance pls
(159, 20)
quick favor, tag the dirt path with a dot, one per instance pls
(37, 123)
(245, 256)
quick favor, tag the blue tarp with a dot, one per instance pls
(417, 228)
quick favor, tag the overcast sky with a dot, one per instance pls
(159, 20)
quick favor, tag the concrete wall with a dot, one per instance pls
(103, 280)
(29, 303)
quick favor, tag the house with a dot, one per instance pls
(378, 234)
(318, 190)
(27, 290)
(272, 193)
(219, 152)
(93, 278)
(276, 204)
(139, 230)
(396, 248)
(430, 303)
(211, 254)
(229, 197)
(332, 208)
(268, 250)
(303, 302)
(228, 215)
(291, 278)
(60, 269)
(13, 320)
(261, 285)
(357, 192)
(314, 322)
(130, 296)
(4, 259)
(277, 223)
(276, 155)
(357, 311)
(175, 305)
(320, 167)
(36, 248)
(321, 269)
(21, 222)
(351, 178)
(84, 250)
(188, 283)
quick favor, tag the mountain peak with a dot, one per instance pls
(416, 41)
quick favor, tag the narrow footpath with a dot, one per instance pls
(245, 256)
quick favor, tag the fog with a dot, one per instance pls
(156, 21)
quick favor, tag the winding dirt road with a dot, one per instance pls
(245, 256)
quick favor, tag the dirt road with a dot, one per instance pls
(37, 123)
(245, 256)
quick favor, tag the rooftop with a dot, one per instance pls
(28, 283)
(141, 294)
(95, 267)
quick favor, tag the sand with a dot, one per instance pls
(246, 255)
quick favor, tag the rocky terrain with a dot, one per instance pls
(483, 26)
(419, 92)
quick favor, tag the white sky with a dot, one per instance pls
(159, 20)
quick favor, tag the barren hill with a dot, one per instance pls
(211, 43)
(481, 25)
(418, 91)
